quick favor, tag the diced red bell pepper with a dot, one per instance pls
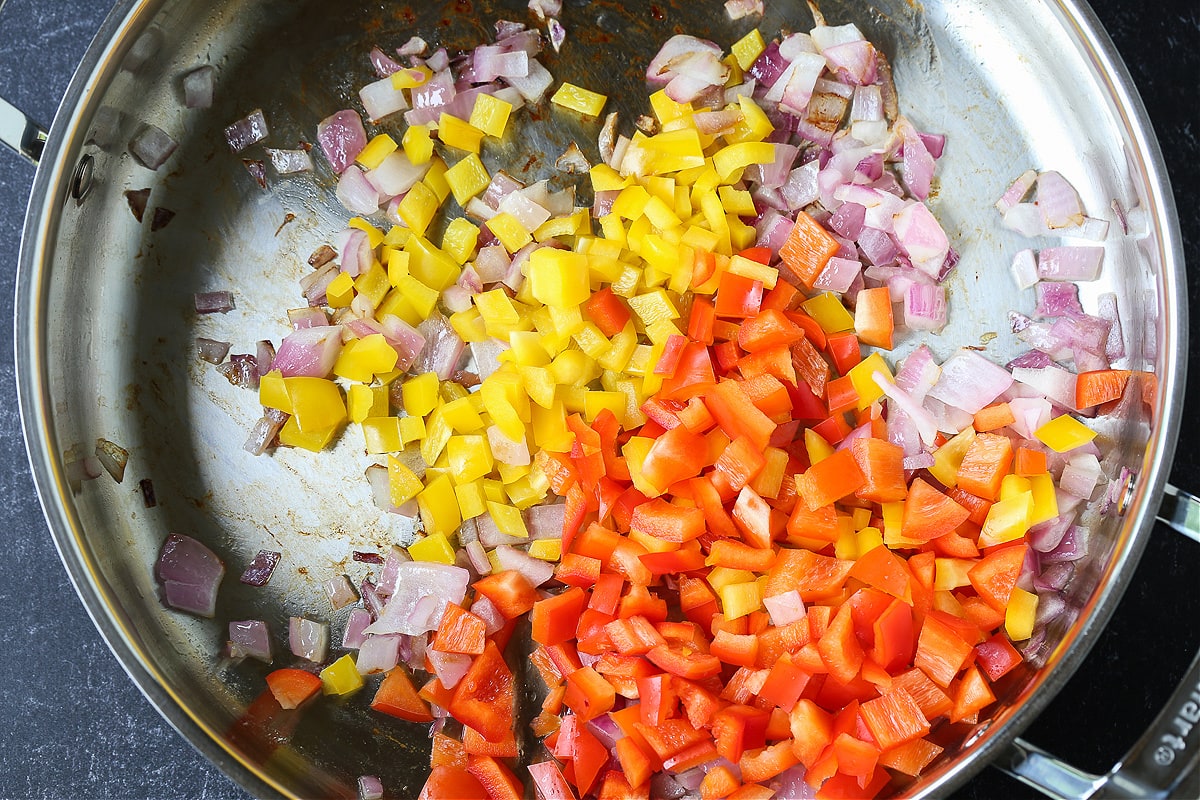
(292, 687)
(555, 618)
(484, 698)
(398, 697)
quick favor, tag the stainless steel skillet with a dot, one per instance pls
(117, 365)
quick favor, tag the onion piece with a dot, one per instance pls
(341, 137)
(190, 574)
(737, 9)
(370, 788)
(415, 46)
(198, 87)
(249, 639)
(1080, 263)
(970, 382)
(213, 302)
(1057, 201)
(308, 639)
(355, 192)
(263, 434)
(211, 350)
(151, 146)
(356, 626)
(1017, 191)
(785, 608)
(443, 347)
(378, 654)
(534, 569)
(557, 33)
(440, 583)
(246, 131)
(340, 592)
(261, 568)
(545, 521)
(450, 668)
(309, 352)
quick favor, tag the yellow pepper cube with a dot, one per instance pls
(438, 506)
(672, 151)
(290, 435)
(418, 207)
(1013, 485)
(539, 385)
(375, 236)
(595, 402)
(470, 457)
(666, 110)
(316, 403)
(341, 677)
(508, 519)
(1020, 614)
(420, 394)
(382, 435)
(1007, 520)
(510, 473)
(1064, 433)
(340, 291)
(422, 298)
(430, 265)
(272, 392)
(546, 549)
(511, 233)
(747, 49)
(661, 215)
(740, 599)
(579, 99)
(631, 202)
(591, 340)
(454, 132)
(396, 236)
(366, 401)
(373, 284)
(734, 157)
(412, 429)
(411, 78)
(493, 490)
(471, 500)
(435, 178)
(606, 179)
(361, 359)
(948, 458)
(620, 351)
(461, 415)
(827, 309)
(403, 483)
(379, 148)
(490, 114)
(468, 325)
(736, 201)
(460, 239)
(467, 178)
(437, 433)
(397, 266)
(1045, 499)
(524, 494)
(653, 306)
(434, 548)
(418, 144)
(559, 278)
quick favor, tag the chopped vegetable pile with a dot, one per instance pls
(759, 557)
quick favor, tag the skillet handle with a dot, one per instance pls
(1165, 761)
(20, 132)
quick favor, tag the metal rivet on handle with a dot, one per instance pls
(1125, 499)
(81, 181)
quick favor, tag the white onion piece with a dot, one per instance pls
(288, 162)
(413, 47)
(545, 521)
(390, 574)
(737, 9)
(925, 307)
(250, 639)
(406, 340)
(198, 87)
(970, 382)
(308, 639)
(534, 569)
(1029, 413)
(1056, 383)
(838, 275)
(491, 536)
(785, 608)
(443, 347)
(354, 251)
(416, 580)
(342, 137)
(533, 85)
(1024, 269)
(151, 146)
(380, 99)
(478, 558)
(395, 175)
(528, 213)
(490, 62)
(384, 64)
(1080, 476)
(190, 574)
(659, 72)
(487, 355)
(310, 352)
(378, 654)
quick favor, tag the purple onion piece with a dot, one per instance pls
(308, 639)
(190, 574)
(246, 131)
(250, 639)
(356, 626)
(369, 788)
(241, 370)
(211, 350)
(340, 592)
(213, 302)
(137, 199)
(149, 500)
(162, 217)
(198, 87)
(260, 569)
(263, 434)
(151, 146)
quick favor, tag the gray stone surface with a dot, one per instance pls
(78, 728)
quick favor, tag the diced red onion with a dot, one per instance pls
(390, 574)
(1080, 263)
(340, 592)
(384, 64)
(1114, 348)
(151, 146)
(1017, 191)
(737, 9)
(190, 574)
(922, 238)
(533, 85)
(1058, 201)
(785, 608)
(370, 788)
(356, 626)
(356, 193)
(838, 275)
(545, 521)
(925, 307)
(970, 382)
(381, 99)
(1030, 413)
(263, 434)
(261, 568)
(378, 654)
(1024, 269)
(309, 352)
(213, 302)
(354, 249)
(308, 639)
(406, 340)
(916, 166)
(478, 557)
(1057, 384)
(241, 370)
(450, 668)
(920, 417)
(415, 46)
(416, 580)
(198, 87)
(211, 350)
(528, 213)
(557, 33)
(506, 450)
(1054, 578)
(341, 137)
(1034, 358)
(443, 348)
(486, 610)
(534, 569)
(660, 71)
(246, 131)
(1056, 299)
(250, 639)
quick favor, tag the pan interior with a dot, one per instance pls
(111, 311)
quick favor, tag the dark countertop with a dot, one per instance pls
(80, 729)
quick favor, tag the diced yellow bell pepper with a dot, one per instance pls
(734, 157)
(510, 473)
(740, 599)
(747, 49)
(665, 109)
(428, 264)
(435, 179)
(411, 78)
(420, 394)
(550, 431)
(460, 239)
(471, 500)
(861, 376)
(539, 385)
(573, 368)
(818, 449)
(511, 233)
(827, 309)
(376, 150)
(397, 266)
(951, 573)
(672, 151)
(470, 457)
(396, 236)
(403, 483)
(490, 114)
(525, 348)
(435, 548)
(620, 349)
(595, 402)
(1013, 485)
(1064, 433)
(366, 401)
(1007, 520)
(272, 392)
(382, 435)
(340, 291)
(606, 179)
(438, 506)
(949, 457)
(1020, 614)
(458, 133)
(579, 99)
(412, 429)
(418, 144)
(660, 214)
(373, 284)
(290, 435)
(437, 433)
(736, 201)
(720, 577)
(467, 178)
(418, 207)
(546, 549)
(423, 299)
(341, 677)
(361, 359)
(316, 403)
(508, 520)
(558, 277)
(462, 416)
(468, 325)
(653, 306)
(375, 236)
(1045, 499)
